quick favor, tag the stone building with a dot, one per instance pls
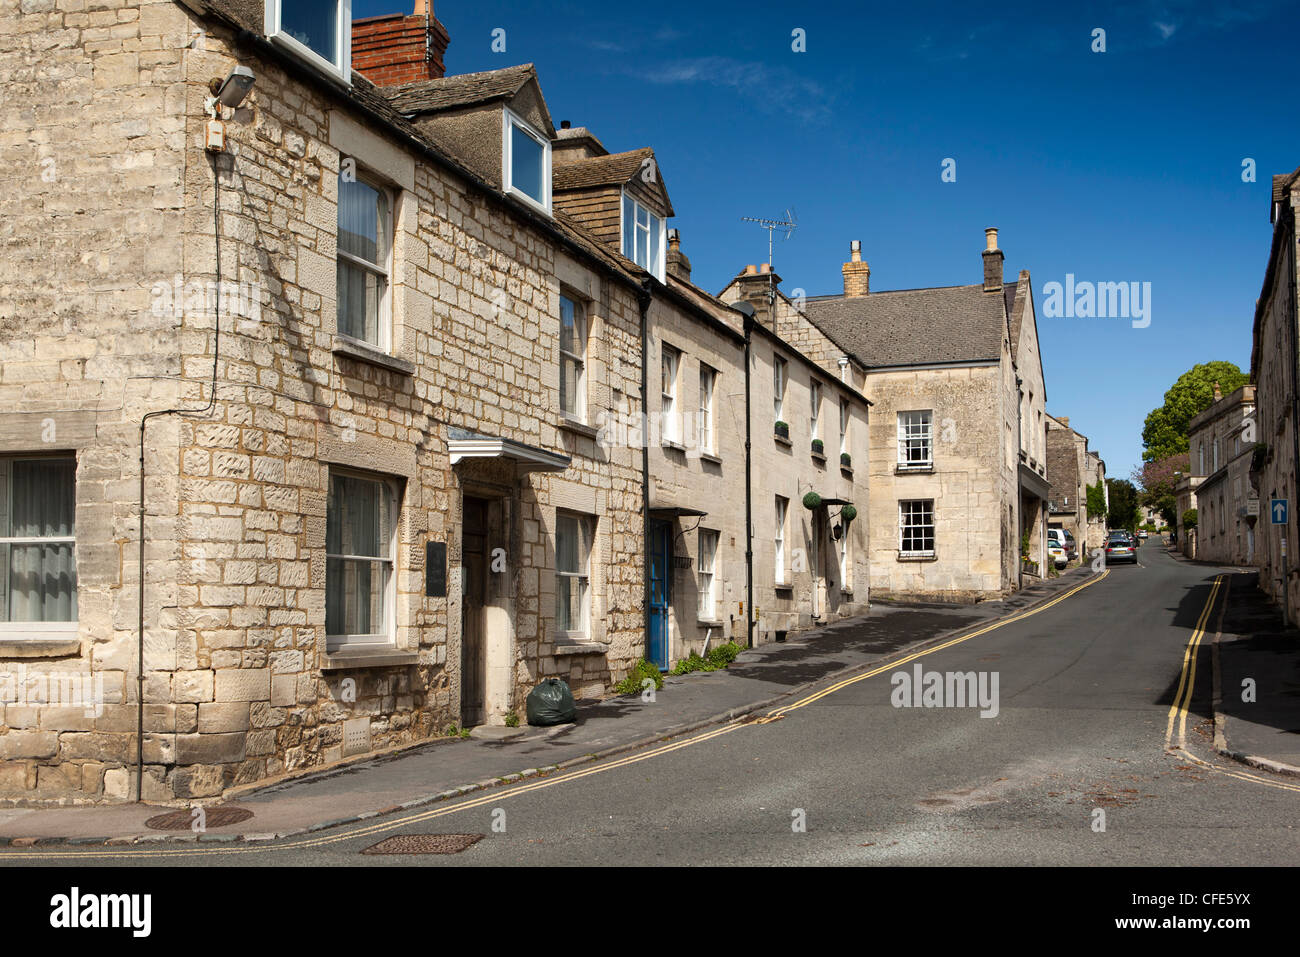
(1067, 455)
(1221, 445)
(377, 523)
(809, 502)
(1273, 363)
(301, 437)
(1094, 471)
(1184, 501)
(958, 439)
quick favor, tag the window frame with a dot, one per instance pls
(903, 526)
(707, 606)
(780, 379)
(341, 71)
(815, 404)
(509, 121)
(393, 487)
(580, 519)
(36, 630)
(581, 330)
(669, 424)
(708, 389)
(779, 555)
(656, 256)
(845, 421)
(906, 435)
(390, 196)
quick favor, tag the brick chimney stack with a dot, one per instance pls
(677, 265)
(396, 49)
(857, 274)
(992, 261)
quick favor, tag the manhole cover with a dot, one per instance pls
(424, 844)
(184, 819)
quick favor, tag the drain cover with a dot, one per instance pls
(424, 844)
(183, 820)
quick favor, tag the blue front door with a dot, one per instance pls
(660, 573)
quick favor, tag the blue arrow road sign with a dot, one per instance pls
(1277, 509)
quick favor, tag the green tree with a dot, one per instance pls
(1096, 501)
(1123, 504)
(1165, 431)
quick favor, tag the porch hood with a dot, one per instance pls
(463, 444)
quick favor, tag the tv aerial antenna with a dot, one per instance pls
(789, 224)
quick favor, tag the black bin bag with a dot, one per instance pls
(551, 702)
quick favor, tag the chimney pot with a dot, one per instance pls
(991, 237)
(765, 268)
(751, 270)
(565, 124)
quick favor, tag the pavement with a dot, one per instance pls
(1256, 680)
(447, 768)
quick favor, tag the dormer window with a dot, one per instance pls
(643, 237)
(318, 31)
(526, 162)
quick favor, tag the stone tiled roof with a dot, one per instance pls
(1282, 183)
(467, 89)
(915, 326)
(611, 170)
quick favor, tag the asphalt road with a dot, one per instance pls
(1085, 689)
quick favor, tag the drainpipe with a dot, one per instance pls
(749, 489)
(643, 300)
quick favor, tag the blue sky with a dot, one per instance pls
(1117, 166)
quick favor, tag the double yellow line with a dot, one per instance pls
(1187, 678)
(1183, 699)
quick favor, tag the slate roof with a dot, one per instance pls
(915, 326)
(466, 89)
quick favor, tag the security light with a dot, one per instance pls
(231, 91)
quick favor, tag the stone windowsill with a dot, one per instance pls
(846, 470)
(930, 557)
(907, 469)
(819, 457)
(364, 352)
(782, 440)
(709, 623)
(578, 426)
(711, 458)
(784, 586)
(673, 444)
(575, 647)
(373, 656)
(39, 646)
